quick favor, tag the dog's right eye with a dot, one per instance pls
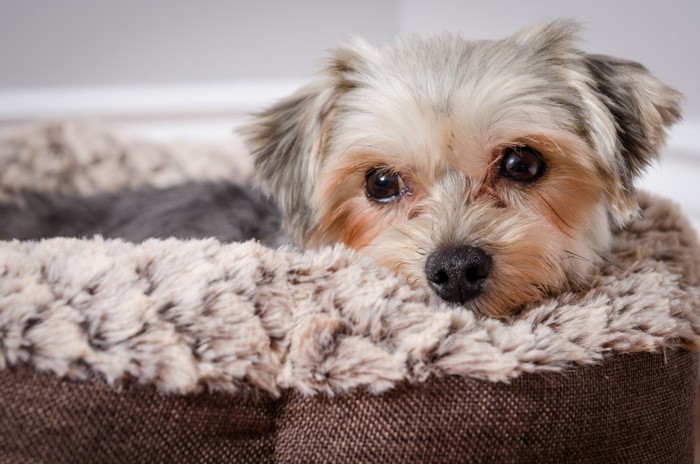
(384, 186)
(521, 163)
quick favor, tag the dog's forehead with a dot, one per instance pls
(435, 68)
(439, 70)
(446, 94)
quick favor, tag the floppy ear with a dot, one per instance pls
(287, 141)
(642, 108)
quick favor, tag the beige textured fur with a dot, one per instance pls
(184, 315)
(86, 158)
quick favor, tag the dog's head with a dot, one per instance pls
(491, 171)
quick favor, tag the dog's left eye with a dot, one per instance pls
(521, 163)
(384, 186)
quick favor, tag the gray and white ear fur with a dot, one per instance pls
(287, 141)
(642, 108)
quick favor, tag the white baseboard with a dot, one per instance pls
(142, 102)
(685, 137)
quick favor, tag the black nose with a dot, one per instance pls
(458, 274)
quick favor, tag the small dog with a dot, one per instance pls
(493, 172)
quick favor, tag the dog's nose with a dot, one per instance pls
(458, 274)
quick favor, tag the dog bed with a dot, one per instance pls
(201, 351)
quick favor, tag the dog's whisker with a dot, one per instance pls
(355, 144)
(608, 261)
(572, 255)
(561, 219)
(400, 231)
(358, 145)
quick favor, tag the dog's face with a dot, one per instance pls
(490, 171)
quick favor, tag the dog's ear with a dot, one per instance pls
(642, 108)
(287, 141)
(550, 40)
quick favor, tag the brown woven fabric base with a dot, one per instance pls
(632, 408)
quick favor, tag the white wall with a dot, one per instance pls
(196, 68)
(48, 43)
(71, 43)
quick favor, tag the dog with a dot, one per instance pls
(492, 172)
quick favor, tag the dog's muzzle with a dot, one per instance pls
(458, 274)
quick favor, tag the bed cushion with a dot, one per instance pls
(201, 351)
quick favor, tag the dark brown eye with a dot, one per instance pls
(384, 186)
(521, 163)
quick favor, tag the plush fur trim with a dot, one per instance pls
(190, 314)
(86, 158)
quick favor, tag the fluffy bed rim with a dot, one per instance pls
(184, 315)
